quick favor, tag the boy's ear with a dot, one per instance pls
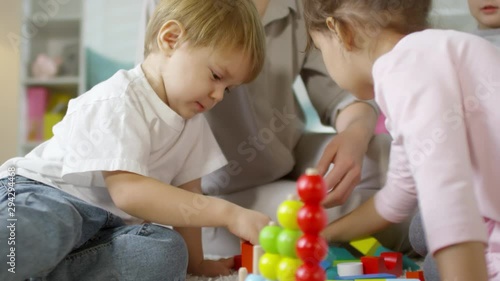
(342, 32)
(169, 35)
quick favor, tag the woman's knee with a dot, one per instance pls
(417, 235)
(429, 267)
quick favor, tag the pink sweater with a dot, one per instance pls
(440, 92)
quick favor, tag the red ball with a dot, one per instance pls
(311, 189)
(312, 219)
(311, 249)
(310, 272)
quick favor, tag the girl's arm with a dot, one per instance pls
(154, 201)
(197, 265)
(462, 262)
(361, 222)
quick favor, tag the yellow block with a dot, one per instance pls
(49, 120)
(366, 246)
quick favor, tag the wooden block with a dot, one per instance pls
(336, 262)
(367, 246)
(377, 276)
(416, 274)
(257, 253)
(242, 274)
(237, 262)
(338, 253)
(391, 263)
(247, 256)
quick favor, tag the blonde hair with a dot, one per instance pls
(219, 24)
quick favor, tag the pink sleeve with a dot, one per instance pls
(419, 99)
(398, 199)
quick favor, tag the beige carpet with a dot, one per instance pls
(233, 277)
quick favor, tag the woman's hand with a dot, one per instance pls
(355, 125)
(346, 151)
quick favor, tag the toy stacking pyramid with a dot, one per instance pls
(294, 250)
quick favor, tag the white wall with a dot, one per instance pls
(453, 14)
(112, 28)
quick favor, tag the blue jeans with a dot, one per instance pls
(419, 244)
(60, 237)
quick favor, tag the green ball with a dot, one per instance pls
(287, 268)
(268, 265)
(268, 238)
(287, 214)
(287, 240)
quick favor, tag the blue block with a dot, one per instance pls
(255, 277)
(331, 273)
(338, 253)
(326, 264)
(368, 276)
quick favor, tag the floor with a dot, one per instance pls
(233, 277)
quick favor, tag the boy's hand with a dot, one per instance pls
(247, 224)
(214, 268)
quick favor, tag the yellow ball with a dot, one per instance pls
(268, 264)
(287, 268)
(287, 214)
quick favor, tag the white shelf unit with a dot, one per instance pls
(48, 28)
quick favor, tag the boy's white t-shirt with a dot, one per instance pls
(120, 124)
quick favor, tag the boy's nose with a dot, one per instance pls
(218, 94)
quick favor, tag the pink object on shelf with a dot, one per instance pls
(380, 127)
(45, 67)
(37, 103)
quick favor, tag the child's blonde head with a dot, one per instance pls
(369, 17)
(220, 24)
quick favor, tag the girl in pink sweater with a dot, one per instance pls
(440, 92)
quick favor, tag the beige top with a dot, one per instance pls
(258, 125)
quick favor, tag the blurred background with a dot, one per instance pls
(54, 50)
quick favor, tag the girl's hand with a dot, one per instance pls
(346, 151)
(214, 268)
(246, 224)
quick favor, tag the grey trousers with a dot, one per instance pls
(266, 198)
(419, 244)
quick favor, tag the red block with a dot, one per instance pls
(247, 256)
(237, 262)
(391, 263)
(416, 274)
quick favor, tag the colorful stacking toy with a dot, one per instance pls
(293, 250)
